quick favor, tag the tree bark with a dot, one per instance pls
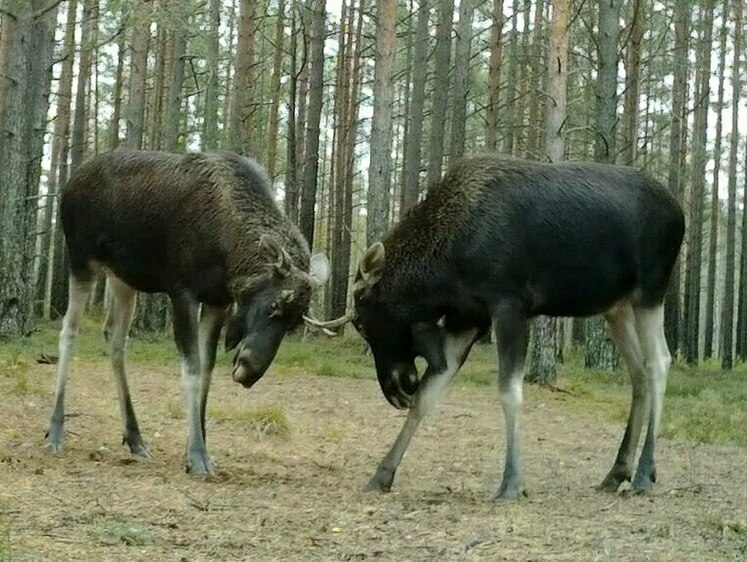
(413, 144)
(26, 52)
(494, 75)
(727, 310)
(135, 110)
(697, 194)
(632, 72)
(380, 169)
(442, 57)
(311, 145)
(542, 366)
(715, 206)
(240, 115)
(600, 353)
(461, 76)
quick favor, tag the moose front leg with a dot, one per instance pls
(187, 340)
(456, 348)
(510, 326)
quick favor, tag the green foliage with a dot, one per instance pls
(6, 553)
(121, 531)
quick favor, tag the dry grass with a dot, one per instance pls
(298, 497)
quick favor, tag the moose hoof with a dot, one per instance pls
(613, 480)
(137, 447)
(510, 493)
(379, 483)
(199, 465)
(54, 437)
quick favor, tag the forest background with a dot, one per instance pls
(356, 107)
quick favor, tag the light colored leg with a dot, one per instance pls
(186, 333)
(510, 325)
(656, 360)
(119, 320)
(428, 395)
(78, 293)
(622, 325)
(211, 322)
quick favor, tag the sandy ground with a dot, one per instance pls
(299, 497)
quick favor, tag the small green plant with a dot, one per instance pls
(120, 531)
(6, 554)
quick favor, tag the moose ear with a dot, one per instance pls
(372, 264)
(234, 331)
(319, 269)
(273, 253)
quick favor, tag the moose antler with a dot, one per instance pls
(327, 326)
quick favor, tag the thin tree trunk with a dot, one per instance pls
(727, 311)
(715, 207)
(380, 169)
(461, 75)
(600, 353)
(510, 120)
(291, 181)
(276, 90)
(672, 314)
(173, 104)
(240, 115)
(632, 72)
(77, 146)
(212, 84)
(117, 95)
(311, 146)
(494, 75)
(699, 158)
(412, 156)
(442, 56)
(542, 366)
(135, 110)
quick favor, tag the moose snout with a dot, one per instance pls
(246, 370)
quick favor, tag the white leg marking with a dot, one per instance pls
(428, 395)
(622, 323)
(78, 292)
(656, 360)
(119, 320)
(211, 322)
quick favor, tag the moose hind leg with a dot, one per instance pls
(622, 325)
(428, 395)
(656, 360)
(78, 292)
(119, 320)
(510, 327)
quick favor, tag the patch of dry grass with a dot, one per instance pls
(267, 421)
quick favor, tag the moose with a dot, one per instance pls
(497, 242)
(204, 229)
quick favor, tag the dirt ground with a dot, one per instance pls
(299, 497)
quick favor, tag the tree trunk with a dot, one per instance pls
(173, 104)
(117, 95)
(291, 178)
(26, 52)
(413, 143)
(77, 146)
(697, 194)
(461, 75)
(727, 311)
(380, 169)
(542, 367)
(741, 339)
(672, 318)
(135, 110)
(715, 207)
(311, 146)
(494, 76)
(632, 72)
(59, 136)
(509, 111)
(442, 56)
(276, 91)
(600, 353)
(240, 115)
(212, 84)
